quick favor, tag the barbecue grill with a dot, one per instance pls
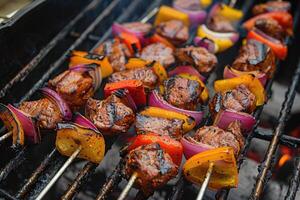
(25, 171)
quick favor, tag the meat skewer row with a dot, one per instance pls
(238, 96)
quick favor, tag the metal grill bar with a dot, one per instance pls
(294, 182)
(264, 174)
(44, 52)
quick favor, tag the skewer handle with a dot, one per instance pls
(128, 186)
(5, 136)
(59, 173)
(205, 182)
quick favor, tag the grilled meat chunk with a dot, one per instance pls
(240, 99)
(255, 56)
(146, 75)
(158, 52)
(154, 167)
(216, 137)
(270, 27)
(220, 24)
(110, 116)
(197, 56)
(138, 26)
(188, 5)
(46, 112)
(74, 87)
(162, 126)
(182, 92)
(174, 30)
(116, 53)
(271, 6)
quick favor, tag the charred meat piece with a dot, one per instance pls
(74, 87)
(182, 92)
(46, 112)
(239, 99)
(271, 6)
(110, 116)
(158, 52)
(154, 167)
(174, 30)
(197, 56)
(146, 75)
(270, 27)
(138, 27)
(188, 5)
(116, 53)
(255, 56)
(162, 126)
(220, 24)
(216, 137)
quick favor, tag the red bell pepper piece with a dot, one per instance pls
(131, 41)
(277, 47)
(285, 19)
(171, 146)
(155, 38)
(135, 88)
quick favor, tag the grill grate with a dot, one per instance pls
(90, 35)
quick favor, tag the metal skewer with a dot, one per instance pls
(59, 173)
(128, 186)
(5, 136)
(206, 181)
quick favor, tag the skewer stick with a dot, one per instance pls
(5, 136)
(232, 3)
(128, 186)
(59, 173)
(150, 15)
(206, 181)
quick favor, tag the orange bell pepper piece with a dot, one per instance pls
(171, 146)
(155, 38)
(253, 84)
(166, 13)
(132, 42)
(205, 94)
(135, 88)
(157, 68)
(224, 172)
(82, 57)
(189, 122)
(277, 47)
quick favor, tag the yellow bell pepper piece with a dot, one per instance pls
(230, 13)
(70, 136)
(166, 13)
(158, 69)
(253, 84)
(189, 122)
(222, 43)
(79, 57)
(224, 173)
(205, 94)
(205, 3)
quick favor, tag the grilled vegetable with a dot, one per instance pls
(252, 83)
(132, 41)
(189, 122)
(166, 13)
(171, 146)
(134, 87)
(71, 136)
(224, 174)
(227, 12)
(81, 57)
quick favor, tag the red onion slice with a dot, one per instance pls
(234, 36)
(196, 16)
(29, 126)
(206, 43)
(119, 28)
(92, 69)
(186, 70)
(225, 117)
(156, 100)
(190, 148)
(60, 102)
(83, 121)
(124, 94)
(230, 73)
